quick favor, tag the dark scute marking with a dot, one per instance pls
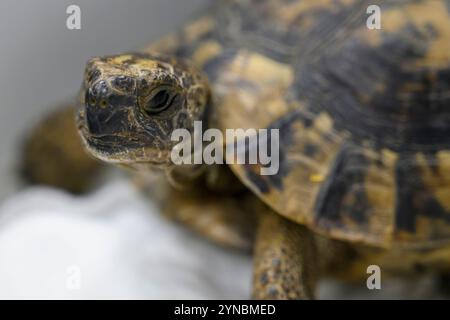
(413, 197)
(310, 150)
(213, 67)
(253, 25)
(307, 122)
(187, 48)
(447, 4)
(342, 193)
(285, 127)
(433, 209)
(370, 93)
(407, 183)
(256, 179)
(285, 136)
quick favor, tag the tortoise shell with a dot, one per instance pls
(364, 115)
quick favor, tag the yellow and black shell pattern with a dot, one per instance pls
(363, 114)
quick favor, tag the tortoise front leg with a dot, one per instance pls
(226, 219)
(285, 262)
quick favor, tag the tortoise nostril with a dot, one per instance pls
(103, 103)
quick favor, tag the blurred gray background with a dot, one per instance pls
(42, 62)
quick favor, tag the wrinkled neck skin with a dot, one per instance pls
(180, 177)
(183, 177)
(187, 176)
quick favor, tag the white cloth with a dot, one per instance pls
(111, 244)
(114, 244)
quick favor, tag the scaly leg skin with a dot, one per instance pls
(285, 261)
(226, 219)
(53, 154)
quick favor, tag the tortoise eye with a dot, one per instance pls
(159, 101)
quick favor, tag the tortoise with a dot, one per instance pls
(364, 134)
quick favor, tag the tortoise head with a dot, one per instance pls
(130, 104)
